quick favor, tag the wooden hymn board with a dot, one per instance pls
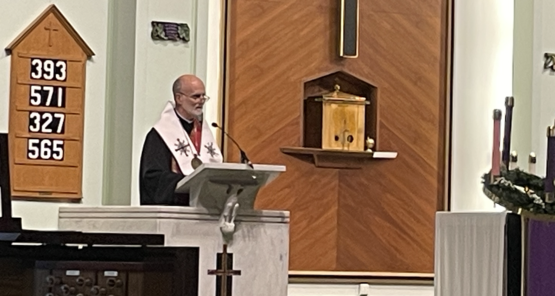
(47, 99)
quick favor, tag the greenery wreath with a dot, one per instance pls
(519, 192)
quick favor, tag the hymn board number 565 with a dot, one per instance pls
(50, 122)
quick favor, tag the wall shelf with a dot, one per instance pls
(337, 159)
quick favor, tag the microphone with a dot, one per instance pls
(244, 158)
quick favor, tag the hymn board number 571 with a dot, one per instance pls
(47, 98)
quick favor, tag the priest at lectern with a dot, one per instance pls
(177, 144)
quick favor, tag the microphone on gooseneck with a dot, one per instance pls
(244, 158)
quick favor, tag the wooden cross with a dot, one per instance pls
(224, 271)
(49, 28)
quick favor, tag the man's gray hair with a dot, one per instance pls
(176, 86)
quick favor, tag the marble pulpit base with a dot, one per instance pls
(260, 246)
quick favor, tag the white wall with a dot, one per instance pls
(482, 78)
(533, 87)
(89, 18)
(158, 64)
(209, 53)
(522, 79)
(353, 290)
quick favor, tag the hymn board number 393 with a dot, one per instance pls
(47, 98)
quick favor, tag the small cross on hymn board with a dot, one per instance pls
(50, 29)
(225, 269)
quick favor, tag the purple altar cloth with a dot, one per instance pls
(541, 258)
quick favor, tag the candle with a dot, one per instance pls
(532, 163)
(513, 161)
(550, 167)
(495, 157)
(509, 104)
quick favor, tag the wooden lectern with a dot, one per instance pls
(211, 184)
(226, 187)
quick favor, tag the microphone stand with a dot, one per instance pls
(244, 158)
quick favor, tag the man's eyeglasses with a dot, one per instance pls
(197, 97)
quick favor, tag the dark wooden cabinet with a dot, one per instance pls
(48, 270)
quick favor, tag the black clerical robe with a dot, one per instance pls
(157, 180)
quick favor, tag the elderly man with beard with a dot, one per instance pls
(178, 143)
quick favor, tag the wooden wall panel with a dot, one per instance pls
(381, 217)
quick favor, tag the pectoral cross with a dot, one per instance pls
(225, 269)
(49, 28)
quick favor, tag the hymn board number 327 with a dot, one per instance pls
(47, 98)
